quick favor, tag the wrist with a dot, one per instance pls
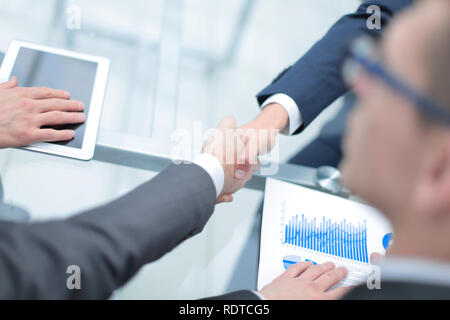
(214, 167)
(274, 116)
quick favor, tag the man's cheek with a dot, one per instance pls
(352, 129)
(353, 159)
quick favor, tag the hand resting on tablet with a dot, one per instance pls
(26, 112)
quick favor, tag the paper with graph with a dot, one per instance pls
(301, 224)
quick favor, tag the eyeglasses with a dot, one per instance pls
(363, 58)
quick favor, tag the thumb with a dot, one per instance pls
(249, 154)
(9, 84)
(227, 123)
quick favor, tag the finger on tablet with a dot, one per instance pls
(297, 269)
(376, 258)
(52, 135)
(45, 93)
(9, 84)
(316, 271)
(47, 105)
(55, 118)
(331, 278)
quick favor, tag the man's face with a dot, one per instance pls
(384, 142)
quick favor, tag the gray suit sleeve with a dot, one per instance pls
(109, 244)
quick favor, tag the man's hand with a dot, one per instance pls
(305, 281)
(227, 145)
(261, 132)
(24, 111)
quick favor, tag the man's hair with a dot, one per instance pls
(438, 62)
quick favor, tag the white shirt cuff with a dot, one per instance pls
(295, 117)
(214, 168)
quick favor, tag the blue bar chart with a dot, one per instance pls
(341, 239)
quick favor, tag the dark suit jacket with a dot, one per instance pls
(110, 243)
(315, 81)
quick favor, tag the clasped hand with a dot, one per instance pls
(231, 147)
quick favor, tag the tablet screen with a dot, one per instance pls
(42, 69)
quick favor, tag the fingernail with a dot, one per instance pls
(72, 134)
(81, 105)
(82, 117)
(66, 94)
(240, 174)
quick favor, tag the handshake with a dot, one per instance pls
(237, 150)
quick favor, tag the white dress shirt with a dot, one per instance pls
(295, 117)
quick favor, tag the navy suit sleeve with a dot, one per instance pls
(315, 81)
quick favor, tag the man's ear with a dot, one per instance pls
(432, 192)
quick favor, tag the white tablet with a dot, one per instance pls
(84, 76)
